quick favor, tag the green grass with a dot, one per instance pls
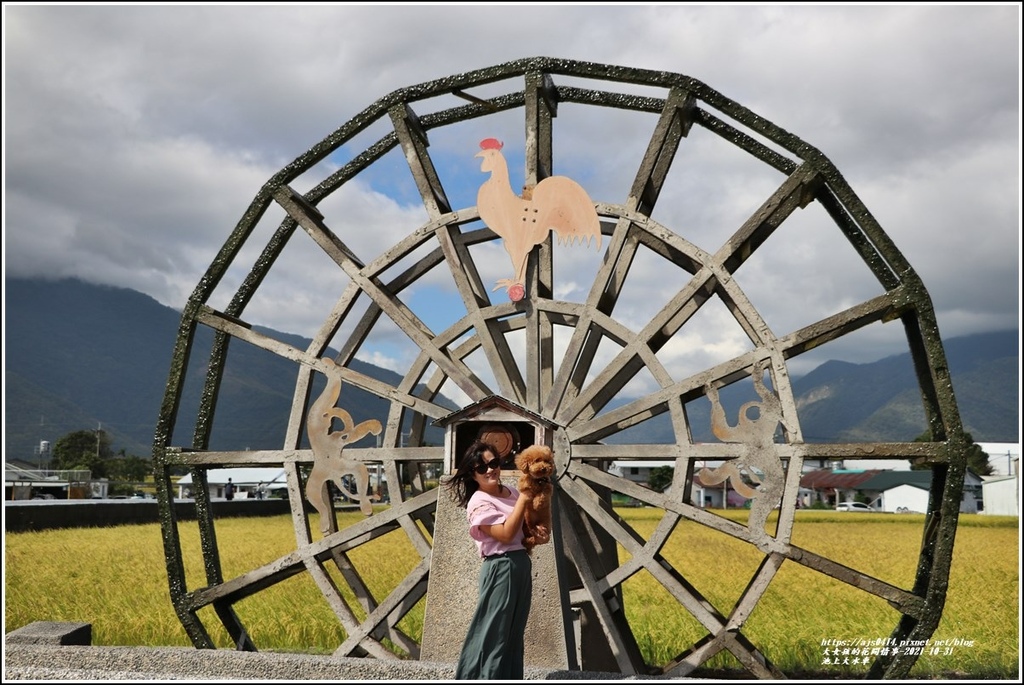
(115, 579)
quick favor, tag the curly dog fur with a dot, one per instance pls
(537, 464)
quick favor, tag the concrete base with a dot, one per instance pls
(47, 662)
(51, 633)
(51, 650)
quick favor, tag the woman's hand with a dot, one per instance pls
(542, 535)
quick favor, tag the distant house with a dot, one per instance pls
(717, 496)
(245, 480)
(898, 491)
(886, 490)
(712, 496)
(830, 487)
(638, 471)
(908, 491)
(1002, 495)
(23, 480)
(892, 491)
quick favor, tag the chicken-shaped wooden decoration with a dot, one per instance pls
(556, 203)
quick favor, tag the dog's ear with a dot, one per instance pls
(521, 461)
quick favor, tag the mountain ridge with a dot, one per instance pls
(84, 356)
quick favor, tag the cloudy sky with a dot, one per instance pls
(135, 137)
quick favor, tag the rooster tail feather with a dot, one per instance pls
(570, 237)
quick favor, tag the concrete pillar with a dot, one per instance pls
(452, 595)
(51, 633)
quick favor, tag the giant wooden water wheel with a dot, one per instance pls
(605, 384)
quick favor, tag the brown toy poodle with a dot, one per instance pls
(538, 466)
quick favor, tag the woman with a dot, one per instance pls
(493, 649)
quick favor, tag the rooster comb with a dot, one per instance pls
(491, 144)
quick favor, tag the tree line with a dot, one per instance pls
(90, 450)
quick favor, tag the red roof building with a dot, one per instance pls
(833, 487)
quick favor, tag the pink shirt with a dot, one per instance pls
(487, 510)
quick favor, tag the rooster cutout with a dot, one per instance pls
(556, 203)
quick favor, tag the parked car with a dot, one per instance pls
(854, 506)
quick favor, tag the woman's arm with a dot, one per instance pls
(506, 531)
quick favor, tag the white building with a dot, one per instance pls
(908, 497)
(900, 491)
(245, 480)
(1002, 495)
(24, 481)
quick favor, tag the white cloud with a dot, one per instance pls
(136, 138)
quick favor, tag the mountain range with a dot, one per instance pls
(80, 356)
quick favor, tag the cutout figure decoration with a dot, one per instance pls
(328, 461)
(757, 455)
(556, 203)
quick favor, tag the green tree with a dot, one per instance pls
(128, 467)
(661, 478)
(84, 450)
(977, 458)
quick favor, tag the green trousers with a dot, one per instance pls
(494, 646)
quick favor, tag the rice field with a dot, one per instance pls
(115, 579)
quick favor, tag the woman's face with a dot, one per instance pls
(491, 467)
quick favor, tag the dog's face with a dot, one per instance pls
(537, 463)
(542, 469)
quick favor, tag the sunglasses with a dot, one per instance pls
(484, 467)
